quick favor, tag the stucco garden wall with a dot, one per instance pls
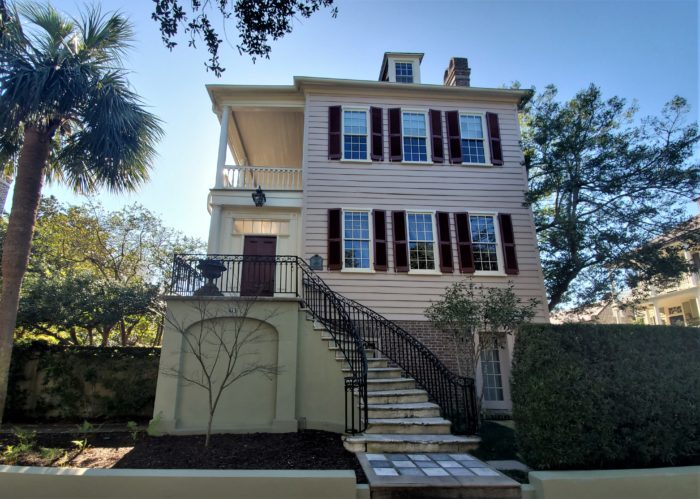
(307, 392)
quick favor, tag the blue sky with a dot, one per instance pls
(643, 50)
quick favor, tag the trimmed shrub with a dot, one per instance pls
(69, 383)
(589, 396)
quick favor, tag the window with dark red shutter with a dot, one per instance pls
(335, 242)
(508, 243)
(464, 243)
(377, 120)
(454, 138)
(398, 219)
(436, 133)
(395, 153)
(380, 255)
(444, 241)
(334, 148)
(494, 132)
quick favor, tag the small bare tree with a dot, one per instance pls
(223, 346)
(478, 318)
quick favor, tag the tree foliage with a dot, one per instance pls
(478, 318)
(604, 186)
(257, 22)
(94, 276)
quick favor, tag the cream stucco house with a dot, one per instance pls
(351, 205)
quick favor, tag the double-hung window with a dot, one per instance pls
(355, 134)
(472, 137)
(404, 72)
(484, 242)
(421, 241)
(415, 143)
(491, 371)
(356, 240)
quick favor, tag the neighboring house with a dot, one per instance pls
(607, 312)
(392, 190)
(5, 184)
(677, 304)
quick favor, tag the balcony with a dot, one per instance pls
(267, 177)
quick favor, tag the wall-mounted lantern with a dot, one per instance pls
(259, 197)
(316, 262)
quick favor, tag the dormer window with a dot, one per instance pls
(401, 67)
(404, 72)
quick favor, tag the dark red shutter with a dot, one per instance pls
(436, 133)
(377, 133)
(453, 137)
(380, 258)
(334, 117)
(335, 241)
(464, 243)
(395, 153)
(444, 241)
(400, 242)
(494, 132)
(508, 243)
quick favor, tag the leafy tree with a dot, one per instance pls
(67, 111)
(257, 21)
(478, 318)
(83, 310)
(603, 186)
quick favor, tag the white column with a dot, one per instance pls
(223, 143)
(657, 314)
(214, 230)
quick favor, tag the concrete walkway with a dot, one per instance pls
(440, 475)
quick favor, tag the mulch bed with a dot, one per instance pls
(304, 450)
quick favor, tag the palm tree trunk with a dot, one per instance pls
(15, 255)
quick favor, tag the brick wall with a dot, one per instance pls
(437, 341)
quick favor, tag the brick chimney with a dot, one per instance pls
(457, 73)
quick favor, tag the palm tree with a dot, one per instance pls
(68, 114)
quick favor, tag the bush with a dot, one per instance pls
(605, 396)
(69, 383)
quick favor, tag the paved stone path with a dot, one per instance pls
(462, 475)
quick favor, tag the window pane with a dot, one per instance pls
(420, 241)
(404, 72)
(414, 124)
(356, 239)
(473, 151)
(472, 139)
(354, 134)
(491, 372)
(484, 242)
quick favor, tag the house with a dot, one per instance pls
(365, 200)
(604, 312)
(677, 303)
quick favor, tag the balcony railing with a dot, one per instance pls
(269, 178)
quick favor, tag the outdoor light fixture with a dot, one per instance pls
(259, 197)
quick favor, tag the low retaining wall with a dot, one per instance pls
(654, 483)
(20, 482)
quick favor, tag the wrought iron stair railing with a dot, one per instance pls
(352, 325)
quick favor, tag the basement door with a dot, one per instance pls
(258, 273)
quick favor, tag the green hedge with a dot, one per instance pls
(605, 396)
(67, 383)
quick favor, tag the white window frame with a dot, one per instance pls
(436, 262)
(391, 70)
(370, 269)
(484, 376)
(413, 70)
(428, 150)
(499, 249)
(484, 133)
(365, 109)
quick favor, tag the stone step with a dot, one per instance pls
(380, 372)
(397, 396)
(371, 362)
(409, 426)
(410, 410)
(383, 384)
(377, 442)
(369, 352)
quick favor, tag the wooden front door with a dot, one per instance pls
(258, 273)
